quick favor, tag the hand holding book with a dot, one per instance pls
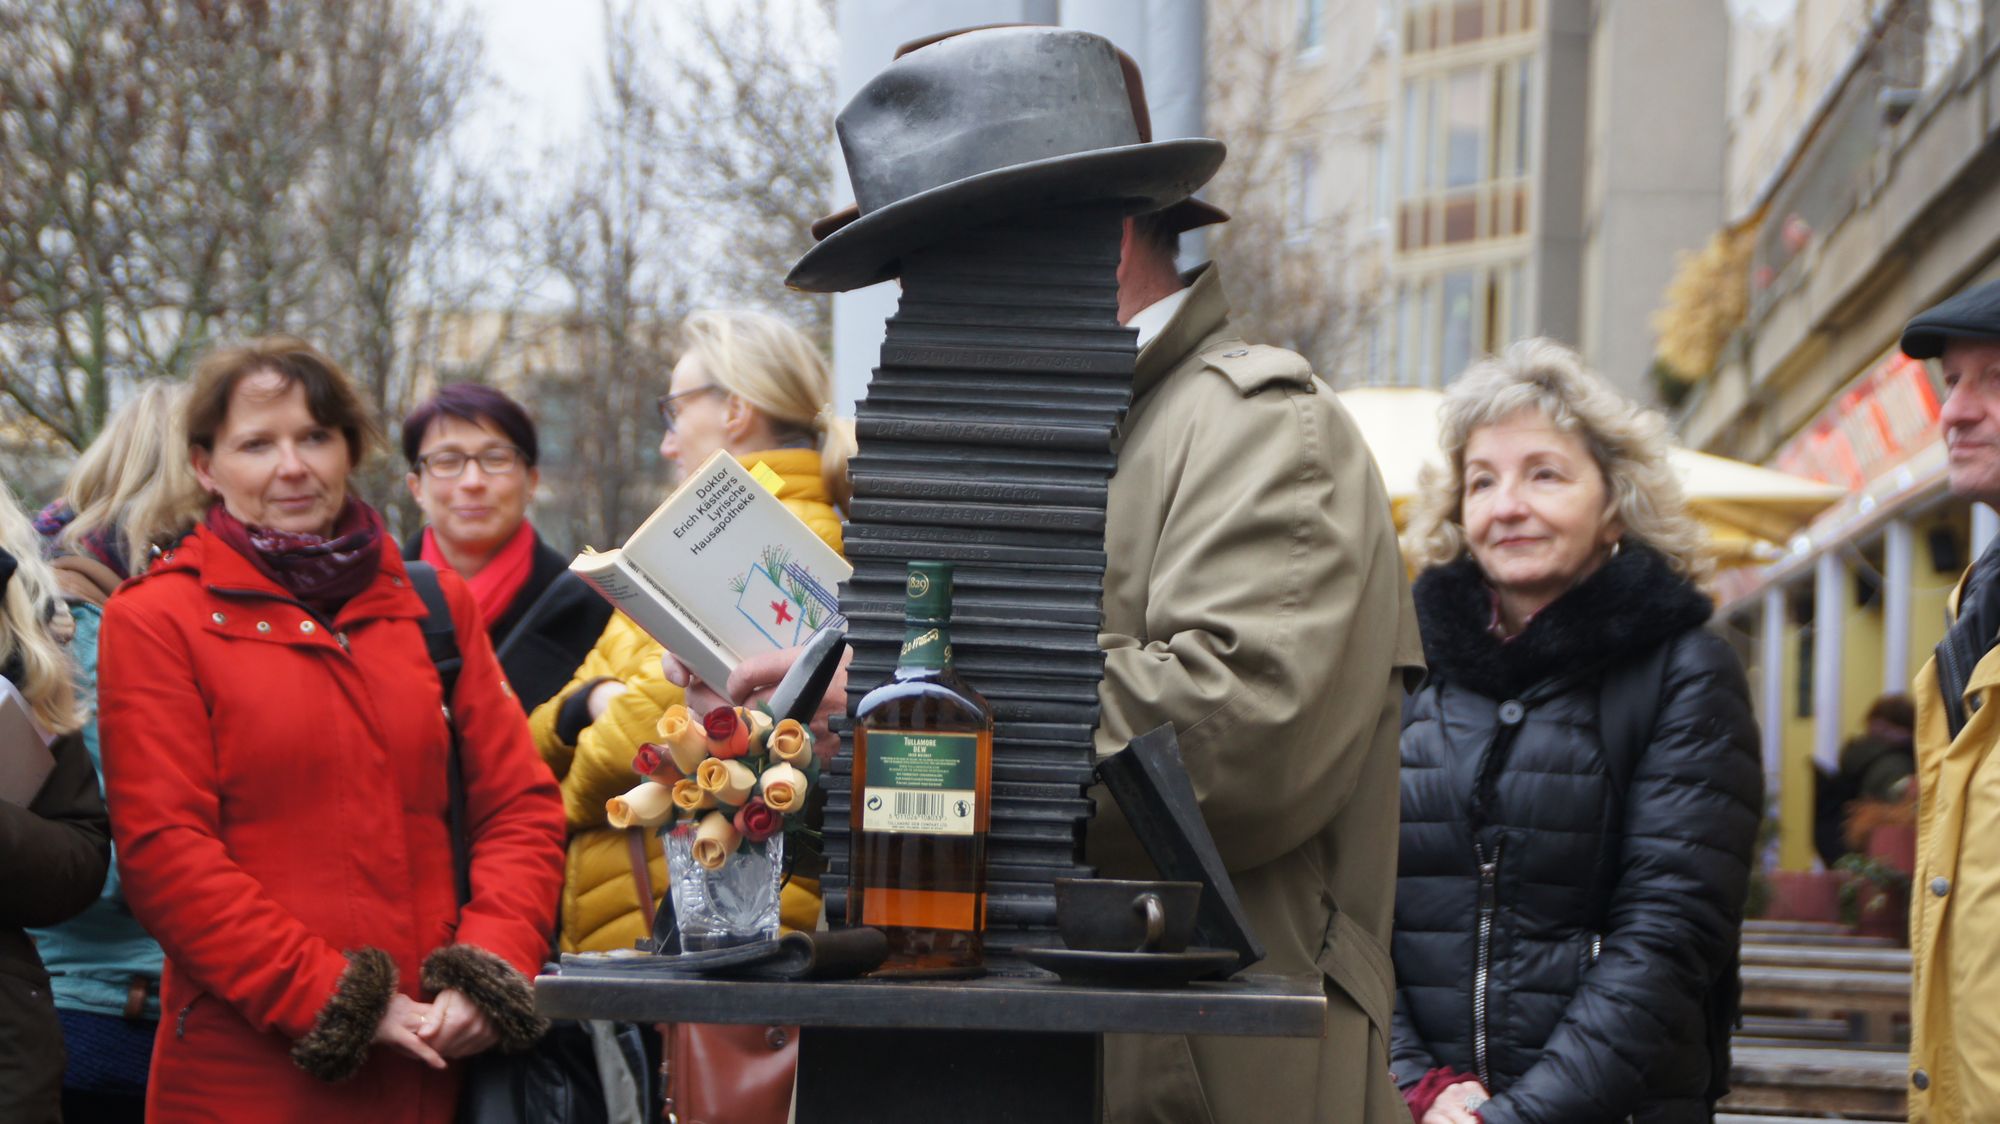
(752, 683)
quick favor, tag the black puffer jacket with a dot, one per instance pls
(1602, 945)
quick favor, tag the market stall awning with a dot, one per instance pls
(1743, 504)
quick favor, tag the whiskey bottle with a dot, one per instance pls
(923, 780)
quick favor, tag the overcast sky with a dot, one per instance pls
(545, 58)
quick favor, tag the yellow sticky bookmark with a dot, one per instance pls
(771, 481)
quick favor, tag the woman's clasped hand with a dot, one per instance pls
(450, 1026)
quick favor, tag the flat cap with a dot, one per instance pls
(1973, 314)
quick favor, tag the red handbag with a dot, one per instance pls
(719, 1073)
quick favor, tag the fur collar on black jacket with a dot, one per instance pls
(1632, 603)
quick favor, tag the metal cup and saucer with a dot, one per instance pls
(1121, 933)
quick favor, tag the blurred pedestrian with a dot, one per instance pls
(473, 452)
(276, 745)
(1572, 875)
(56, 846)
(130, 495)
(1955, 894)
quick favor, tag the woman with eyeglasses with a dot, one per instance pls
(472, 453)
(757, 387)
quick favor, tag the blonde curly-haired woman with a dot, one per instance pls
(130, 496)
(57, 846)
(1580, 784)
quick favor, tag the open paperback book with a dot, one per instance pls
(721, 571)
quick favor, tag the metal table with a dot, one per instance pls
(993, 1049)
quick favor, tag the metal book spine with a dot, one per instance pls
(988, 438)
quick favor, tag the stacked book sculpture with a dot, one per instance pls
(986, 440)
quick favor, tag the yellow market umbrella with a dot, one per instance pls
(1743, 504)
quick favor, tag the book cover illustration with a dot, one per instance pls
(781, 599)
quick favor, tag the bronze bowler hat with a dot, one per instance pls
(980, 126)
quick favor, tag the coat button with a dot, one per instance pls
(1921, 1080)
(263, 626)
(306, 627)
(1940, 886)
(218, 618)
(1511, 712)
(775, 1038)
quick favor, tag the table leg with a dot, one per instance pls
(925, 1076)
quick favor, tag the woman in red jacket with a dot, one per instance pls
(275, 760)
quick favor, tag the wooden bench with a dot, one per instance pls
(1756, 927)
(1761, 1118)
(1822, 940)
(1765, 1119)
(1817, 990)
(1797, 1028)
(1826, 956)
(1805, 1079)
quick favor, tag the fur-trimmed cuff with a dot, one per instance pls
(502, 994)
(338, 1043)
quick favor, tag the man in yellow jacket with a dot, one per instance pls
(1955, 895)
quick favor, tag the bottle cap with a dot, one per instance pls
(928, 595)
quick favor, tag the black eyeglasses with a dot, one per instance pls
(670, 409)
(450, 463)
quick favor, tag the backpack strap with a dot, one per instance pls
(440, 633)
(441, 644)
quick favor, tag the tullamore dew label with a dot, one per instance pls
(921, 782)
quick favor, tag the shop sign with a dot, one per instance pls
(1870, 428)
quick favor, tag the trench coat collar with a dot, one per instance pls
(1202, 317)
(218, 567)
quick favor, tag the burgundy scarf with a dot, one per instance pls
(322, 572)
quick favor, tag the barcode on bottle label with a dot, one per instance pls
(931, 813)
(920, 783)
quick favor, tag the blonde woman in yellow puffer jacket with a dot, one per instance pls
(755, 386)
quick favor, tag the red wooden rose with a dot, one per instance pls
(758, 821)
(727, 735)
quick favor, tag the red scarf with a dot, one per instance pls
(496, 585)
(323, 572)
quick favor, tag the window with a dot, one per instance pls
(1467, 149)
(1417, 129)
(1312, 25)
(1435, 25)
(1519, 111)
(1465, 129)
(1383, 186)
(1301, 208)
(1458, 322)
(1953, 25)
(1445, 321)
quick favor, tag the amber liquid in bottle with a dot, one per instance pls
(923, 779)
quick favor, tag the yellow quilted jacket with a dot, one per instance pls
(600, 903)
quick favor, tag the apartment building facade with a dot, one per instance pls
(1861, 162)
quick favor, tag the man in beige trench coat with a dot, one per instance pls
(1256, 600)
(1254, 597)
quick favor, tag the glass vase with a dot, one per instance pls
(734, 904)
